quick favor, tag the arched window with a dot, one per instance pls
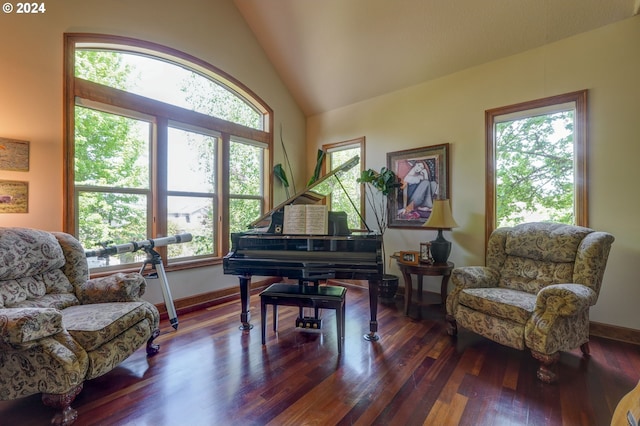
(158, 143)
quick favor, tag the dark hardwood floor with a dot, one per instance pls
(208, 372)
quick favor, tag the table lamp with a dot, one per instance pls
(440, 219)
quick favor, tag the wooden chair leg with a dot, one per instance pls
(340, 311)
(275, 317)
(546, 371)
(153, 348)
(62, 402)
(585, 349)
(263, 320)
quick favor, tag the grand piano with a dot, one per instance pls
(263, 250)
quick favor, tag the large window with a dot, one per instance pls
(159, 143)
(536, 162)
(351, 198)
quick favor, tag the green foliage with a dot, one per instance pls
(349, 179)
(241, 213)
(103, 67)
(316, 171)
(109, 149)
(245, 169)
(534, 169)
(111, 217)
(245, 160)
(281, 175)
(210, 98)
(384, 183)
(108, 153)
(112, 161)
(245, 185)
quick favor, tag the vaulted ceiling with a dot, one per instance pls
(332, 53)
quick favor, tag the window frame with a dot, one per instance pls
(349, 144)
(579, 99)
(163, 115)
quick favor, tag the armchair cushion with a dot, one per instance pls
(531, 275)
(504, 303)
(94, 325)
(548, 242)
(27, 252)
(55, 300)
(30, 270)
(19, 326)
(470, 277)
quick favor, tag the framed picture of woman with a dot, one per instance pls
(424, 173)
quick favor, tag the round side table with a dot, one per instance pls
(420, 270)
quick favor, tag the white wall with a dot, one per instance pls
(31, 91)
(451, 109)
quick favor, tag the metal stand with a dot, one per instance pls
(157, 272)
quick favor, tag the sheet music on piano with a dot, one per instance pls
(306, 219)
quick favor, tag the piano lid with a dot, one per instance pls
(312, 194)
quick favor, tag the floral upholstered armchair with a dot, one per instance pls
(57, 327)
(535, 292)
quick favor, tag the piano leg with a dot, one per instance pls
(373, 308)
(245, 316)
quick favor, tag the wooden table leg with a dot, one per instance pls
(408, 289)
(443, 288)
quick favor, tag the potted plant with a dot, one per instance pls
(379, 186)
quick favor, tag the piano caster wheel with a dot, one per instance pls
(371, 337)
(245, 327)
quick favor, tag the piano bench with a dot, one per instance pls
(303, 296)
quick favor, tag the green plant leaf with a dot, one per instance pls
(278, 172)
(316, 173)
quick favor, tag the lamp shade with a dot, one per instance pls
(441, 216)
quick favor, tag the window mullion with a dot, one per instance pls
(159, 173)
(222, 170)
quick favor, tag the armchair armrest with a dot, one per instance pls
(113, 288)
(23, 325)
(470, 277)
(565, 299)
(475, 277)
(560, 319)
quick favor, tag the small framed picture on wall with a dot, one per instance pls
(14, 196)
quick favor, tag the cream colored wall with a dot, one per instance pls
(31, 91)
(451, 110)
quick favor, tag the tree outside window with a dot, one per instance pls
(158, 147)
(534, 169)
(536, 162)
